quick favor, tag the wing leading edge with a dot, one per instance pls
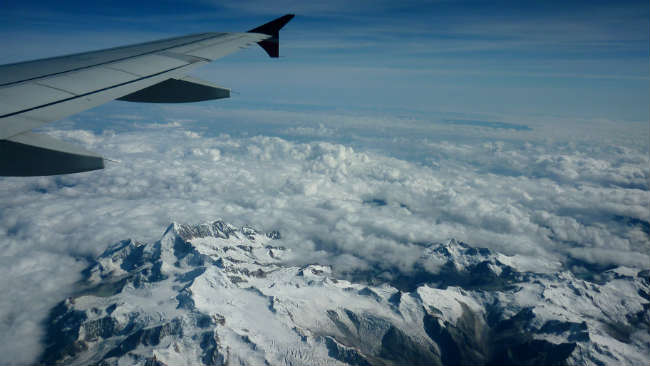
(37, 92)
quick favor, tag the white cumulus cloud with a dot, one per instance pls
(345, 205)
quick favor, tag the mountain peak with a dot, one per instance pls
(214, 294)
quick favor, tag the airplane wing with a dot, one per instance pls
(34, 93)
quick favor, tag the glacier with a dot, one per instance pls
(216, 294)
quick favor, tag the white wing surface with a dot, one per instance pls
(34, 93)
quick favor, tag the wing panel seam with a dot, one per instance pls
(90, 93)
(212, 44)
(183, 57)
(120, 70)
(54, 88)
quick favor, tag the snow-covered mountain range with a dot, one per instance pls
(216, 294)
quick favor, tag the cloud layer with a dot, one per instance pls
(352, 205)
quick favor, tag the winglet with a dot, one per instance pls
(272, 28)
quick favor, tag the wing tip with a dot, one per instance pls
(272, 44)
(273, 27)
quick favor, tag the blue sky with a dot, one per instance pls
(582, 59)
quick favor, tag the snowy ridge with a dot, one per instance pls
(217, 294)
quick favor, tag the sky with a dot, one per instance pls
(518, 126)
(569, 58)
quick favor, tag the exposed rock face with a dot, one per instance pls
(215, 294)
